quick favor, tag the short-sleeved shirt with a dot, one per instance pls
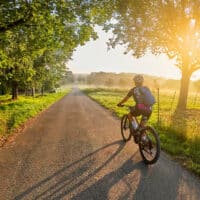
(137, 95)
(140, 108)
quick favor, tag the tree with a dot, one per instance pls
(29, 29)
(170, 27)
(109, 82)
(49, 69)
(123, 82)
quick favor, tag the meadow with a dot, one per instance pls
(15, 113)
(179, 134)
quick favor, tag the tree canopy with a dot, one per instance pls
(171, 27)
(38, 37)
(41, 32)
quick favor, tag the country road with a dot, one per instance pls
(73, 150)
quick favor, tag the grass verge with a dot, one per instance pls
(15, 113)
(183, 146)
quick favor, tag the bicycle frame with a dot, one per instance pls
(135, 118)
(145, 136)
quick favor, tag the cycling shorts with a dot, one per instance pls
(141, 109)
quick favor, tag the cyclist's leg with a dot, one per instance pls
(130, 116)
(145, 117)
(144, 121)
(133, 113)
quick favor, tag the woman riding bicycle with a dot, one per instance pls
(141, 107)
(145, 136)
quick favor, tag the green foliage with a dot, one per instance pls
(184, 146)
(36, 35)
(168, 27)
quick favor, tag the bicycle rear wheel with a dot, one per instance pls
(125, 128)
(149, 145)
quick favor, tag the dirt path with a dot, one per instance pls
(74, 151)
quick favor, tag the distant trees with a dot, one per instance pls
(109, 82)
(125, 80)
(81, 79)
(103, 79)
(69, 77)
(107, 79)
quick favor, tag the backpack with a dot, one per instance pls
(148, 97)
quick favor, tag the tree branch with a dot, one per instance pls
(16, 23)
(195, 66)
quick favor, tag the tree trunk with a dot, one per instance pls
(14, 90)
(26, 92)
(33, 91)
(184, 87)
(42, 91)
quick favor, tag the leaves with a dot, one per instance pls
(170, 27)
(35, 34)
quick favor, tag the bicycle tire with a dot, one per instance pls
(125, 128)
(147, 143)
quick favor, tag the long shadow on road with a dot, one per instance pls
(91, 178)
(67, 174)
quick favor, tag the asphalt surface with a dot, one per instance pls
(74, 150)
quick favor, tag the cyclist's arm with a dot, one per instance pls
(125, 98)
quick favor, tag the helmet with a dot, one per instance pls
(138, 79)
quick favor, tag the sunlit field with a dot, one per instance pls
(179, 135)
(15, 113)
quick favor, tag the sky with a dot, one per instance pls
(94, 57)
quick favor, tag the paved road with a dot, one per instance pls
(74, 151)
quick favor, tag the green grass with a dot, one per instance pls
(179, 135)
(14, 113)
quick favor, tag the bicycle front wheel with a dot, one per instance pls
(125, 128)
(149, 145)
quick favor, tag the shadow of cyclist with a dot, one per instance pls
(67, 174)
(113, 177)
(133, 181)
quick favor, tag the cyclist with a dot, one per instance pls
(140, 108)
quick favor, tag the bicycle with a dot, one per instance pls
(146, 137)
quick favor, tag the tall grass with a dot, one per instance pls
(15, 113)
(179, 134)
